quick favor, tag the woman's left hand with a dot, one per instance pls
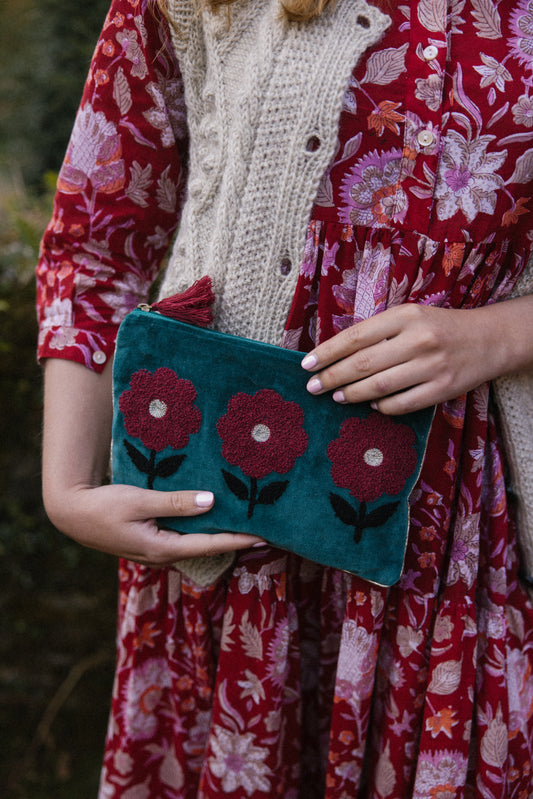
(413, 356)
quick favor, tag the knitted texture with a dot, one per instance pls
(514, 395)
(260, 144)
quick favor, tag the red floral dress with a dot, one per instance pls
(284, 678)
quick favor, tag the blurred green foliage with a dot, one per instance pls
(57, 600)
(45, 52)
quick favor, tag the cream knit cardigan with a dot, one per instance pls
(263, 101)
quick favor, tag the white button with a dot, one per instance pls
(430, 52)
(99, 357)
(425, 138)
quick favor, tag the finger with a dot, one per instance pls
(359, 365)
(389, 382)
(414, 399)
(178, 546)
(352, 339)
(148, 503)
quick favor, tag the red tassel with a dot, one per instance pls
(191, 305)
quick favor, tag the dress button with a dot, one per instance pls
(99, 357)
(285, 266)
(425, 138)
(430, 52)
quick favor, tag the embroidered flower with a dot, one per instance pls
(94, 154)
(467, 179)
(261, 433)
(158, 409)
(371, 192)
(372, 457)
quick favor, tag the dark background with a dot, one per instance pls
(57, 600)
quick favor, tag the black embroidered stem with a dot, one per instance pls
(360, 524)
(252, 500)
(152, 471)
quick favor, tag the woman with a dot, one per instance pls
(359, 181)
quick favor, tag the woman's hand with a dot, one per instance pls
(118, 519)
(414, 356)
(122, 520)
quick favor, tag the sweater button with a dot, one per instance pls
(285, 266)
(312, 144)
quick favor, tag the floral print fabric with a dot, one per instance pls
(284, 678)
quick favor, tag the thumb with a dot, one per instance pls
(176, 503)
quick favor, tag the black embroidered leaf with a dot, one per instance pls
(380, 515)
(139, 460)
(169, 466)
(235, 485)
(272, 492)
(343, 510)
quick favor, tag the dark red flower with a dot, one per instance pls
(262, 433)
(372, 456)
(158, 409)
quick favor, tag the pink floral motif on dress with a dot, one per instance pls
(94, 154)
(261, 433)
(158, 409)
(371, 457)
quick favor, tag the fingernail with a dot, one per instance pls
(338, 396)
(204, 499)
(374, 405)
(314, 385)
(309, 361)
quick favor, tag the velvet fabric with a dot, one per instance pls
(199, 409)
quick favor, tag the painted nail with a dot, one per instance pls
(309, 361)
(314, 385)
(338, 396)
(204, 499)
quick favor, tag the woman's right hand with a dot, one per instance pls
(118, 519)
(123, 520)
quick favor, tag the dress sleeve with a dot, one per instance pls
(119, 189)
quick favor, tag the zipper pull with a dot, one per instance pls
(192, 305)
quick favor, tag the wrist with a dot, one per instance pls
(507, 336)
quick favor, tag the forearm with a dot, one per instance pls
(77, 428)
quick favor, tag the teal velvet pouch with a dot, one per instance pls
(198, 409)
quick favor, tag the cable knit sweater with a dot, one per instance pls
(260, 143)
